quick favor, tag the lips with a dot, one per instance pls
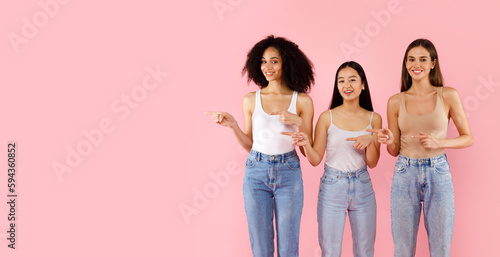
(417, 71)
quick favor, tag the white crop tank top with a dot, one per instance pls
(340, 154)
(266, 129)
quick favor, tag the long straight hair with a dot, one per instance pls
(435, 77)
(365, 100)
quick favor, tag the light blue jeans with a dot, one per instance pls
(352, 192)
(422, 182)
(272, 186)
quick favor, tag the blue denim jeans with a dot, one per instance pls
(352, 192)
(272, 186)
(418, 183)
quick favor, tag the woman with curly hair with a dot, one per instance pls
(272, 183)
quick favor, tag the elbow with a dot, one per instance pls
(372, 164)
(471, 141)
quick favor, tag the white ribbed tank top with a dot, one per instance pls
(340, 154)
(266, 129)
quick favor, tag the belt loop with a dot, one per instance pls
(339, 175)
(258, 156)
(407, 161)
(283, 158)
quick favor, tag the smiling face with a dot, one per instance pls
(349, 83)
(419, 63)
(271, 64)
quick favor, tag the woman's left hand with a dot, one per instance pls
(429, 141)
(362, 142)
(288, 118)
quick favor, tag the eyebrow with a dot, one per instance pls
(426, 56)
(352, 76)
(270, 58)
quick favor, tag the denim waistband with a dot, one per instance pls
(420, 161)
(346, 174)
(275, 157)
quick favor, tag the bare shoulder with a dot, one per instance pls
(249, 97)
(304, 99)
(377, 120)
(450, 93)
(393, 100)
(249, 101)
(324, 118)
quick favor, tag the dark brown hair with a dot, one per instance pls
(435, 77)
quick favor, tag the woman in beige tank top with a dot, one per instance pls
(418, 120)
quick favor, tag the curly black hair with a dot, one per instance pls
(297, 69)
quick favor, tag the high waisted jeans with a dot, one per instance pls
(352, 192)
(417, 182)
(273, 186)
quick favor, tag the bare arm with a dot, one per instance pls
(245, 138)
(373, 149)
(392, 120)
(390, 136)
(314, 153)
(305, 110)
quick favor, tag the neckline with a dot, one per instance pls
(262, 108)
(367, 127)
(418, 115)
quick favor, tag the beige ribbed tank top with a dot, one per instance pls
(435, 123)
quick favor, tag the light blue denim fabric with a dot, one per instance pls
(422, 182)
(352, 192)
(273, 186)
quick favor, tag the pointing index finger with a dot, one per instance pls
(212, 113)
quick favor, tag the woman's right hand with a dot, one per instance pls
(223, 118)
(384, 135)
(299, 138)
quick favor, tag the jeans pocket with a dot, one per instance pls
(329, 178)
(442, 167)
(250, 162)
(293, 163)
(364, 178)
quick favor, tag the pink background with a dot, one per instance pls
(159, 154)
